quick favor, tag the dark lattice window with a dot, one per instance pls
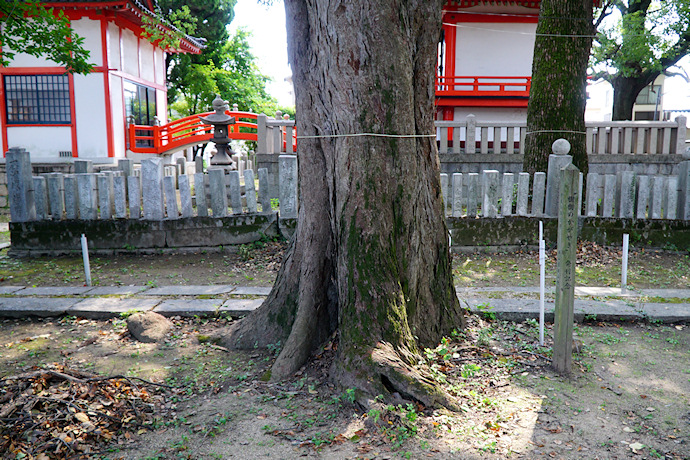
(37, 99)
(140, 102)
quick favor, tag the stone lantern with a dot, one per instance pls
(220, 121)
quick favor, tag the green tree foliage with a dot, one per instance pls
(47, 33)
(647, 38)
(556, 107)
(235, 77)
(159, 32)
(225, 66)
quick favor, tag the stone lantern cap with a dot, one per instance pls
(219, 117)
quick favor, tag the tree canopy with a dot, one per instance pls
(47, 33)
(646, 38)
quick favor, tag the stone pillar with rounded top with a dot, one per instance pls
(557, 161)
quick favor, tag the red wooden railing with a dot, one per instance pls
(483, 86)
(187, 131)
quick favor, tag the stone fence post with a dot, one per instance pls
(20, 185)
(152, 189)
(288, 186)
(557, 161)
(682, 136)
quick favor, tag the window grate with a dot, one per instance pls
(65, 153)
(37, 99)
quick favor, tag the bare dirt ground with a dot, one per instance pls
(628, 397)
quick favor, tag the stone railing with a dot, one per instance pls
(625, 195)
(154, 192)
(622, 195)
(150, 194)
(272, 135)
(645, 147)
(123, 211)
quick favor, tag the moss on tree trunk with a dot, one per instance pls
(558, 94)
(370, 256)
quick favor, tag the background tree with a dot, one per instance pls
(211, 18)
(47, 34)
(236, 78)
(558, 95)
(630, 53)
(370, 255)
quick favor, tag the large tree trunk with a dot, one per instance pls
(625, 92)
(558, 95)
(370, 257)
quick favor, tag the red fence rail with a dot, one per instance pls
(483, 86)
(187, 131)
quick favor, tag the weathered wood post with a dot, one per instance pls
(565, 278)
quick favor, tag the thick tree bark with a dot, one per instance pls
(558, 95)
(370, 257)
(625, 91)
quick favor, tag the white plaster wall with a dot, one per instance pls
(130, 51)
(89, 97)
(162, 106)
(486, 49)
(493, 114)
(146, 57)
(118, 116)
(113, 36)
(159, 63)
(43, 142)
(90, 31)
(599, 101)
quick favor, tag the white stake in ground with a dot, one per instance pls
(624, 268)
(542, 275)
(85, 255)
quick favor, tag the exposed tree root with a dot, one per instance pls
(391, 374)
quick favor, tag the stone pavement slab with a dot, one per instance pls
(514, 289)
(601, 291)
(240, 307)
(19, 307)
(252, 290)
(189, 308)
(54, 290)
(190, 290)
(667, 293)
(666, 312)
(103, 308)
(116, 290)
(10, 289)
(522, 309)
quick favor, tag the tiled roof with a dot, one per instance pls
(137, 7)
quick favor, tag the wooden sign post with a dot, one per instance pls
(565, 277)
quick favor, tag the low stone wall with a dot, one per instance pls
(123, 236)
(116, 236)
(516, 231)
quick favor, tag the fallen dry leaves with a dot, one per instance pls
(63, 413)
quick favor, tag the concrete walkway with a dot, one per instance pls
(511, 303)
